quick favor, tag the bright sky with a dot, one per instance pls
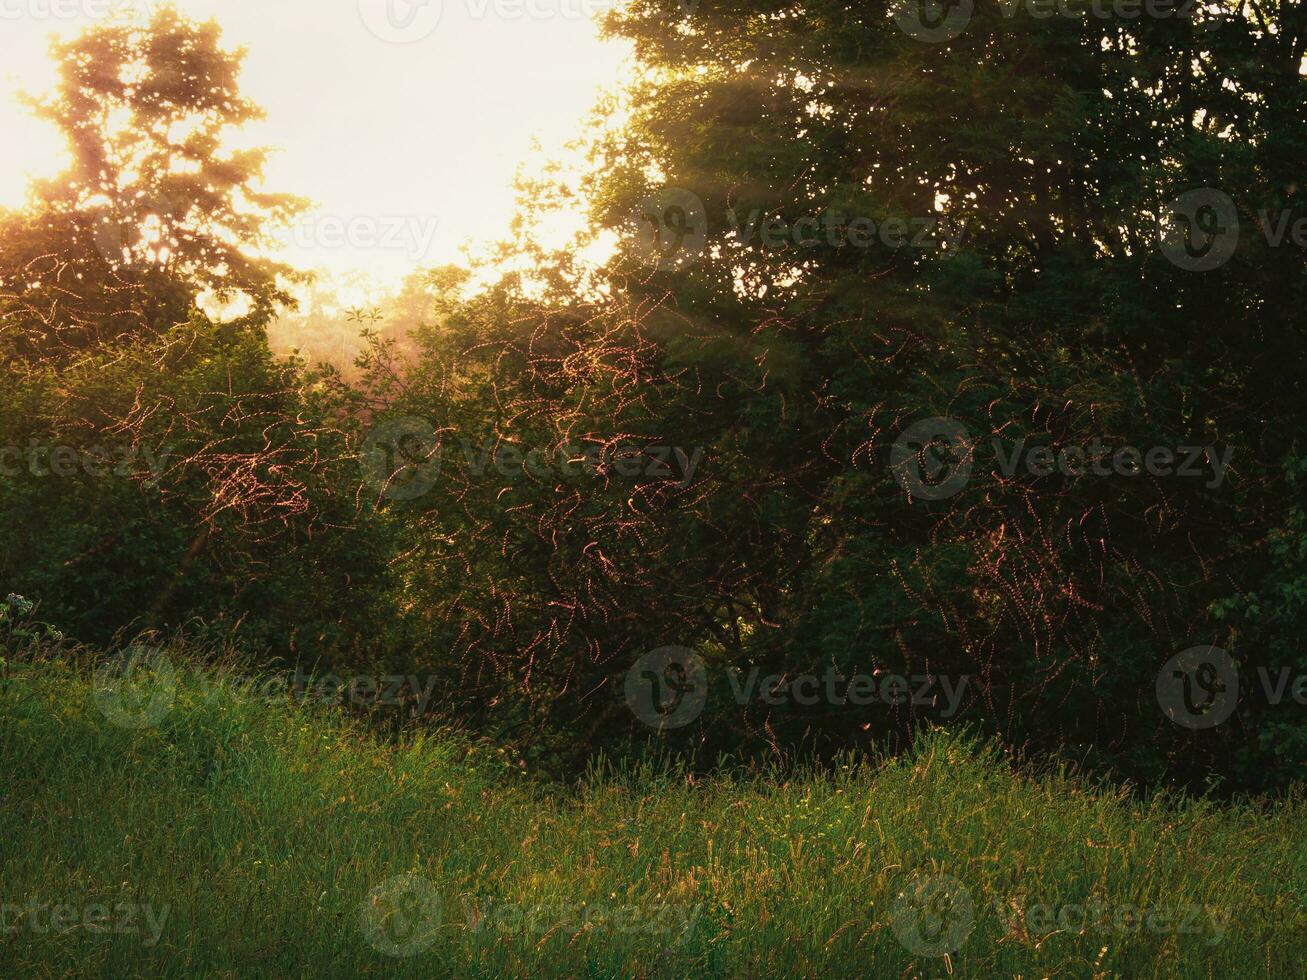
(403, 121)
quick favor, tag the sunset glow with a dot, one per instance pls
(407, 148)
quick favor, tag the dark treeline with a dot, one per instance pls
(831, 228)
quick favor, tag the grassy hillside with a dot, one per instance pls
(237, 836)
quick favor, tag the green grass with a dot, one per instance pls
(264, 830)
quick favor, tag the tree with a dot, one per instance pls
(153, 211)
(1058, 144)
(160, 468)
(796, 359)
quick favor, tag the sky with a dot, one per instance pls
(404, 122)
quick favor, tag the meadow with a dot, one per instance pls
(226, 833)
